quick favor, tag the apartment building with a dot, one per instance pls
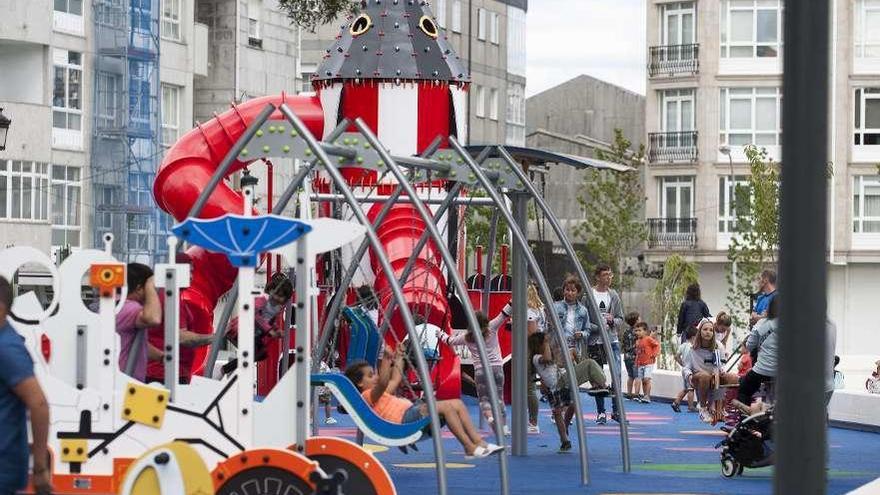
(92, 93)
(715, 83)
(490, 37)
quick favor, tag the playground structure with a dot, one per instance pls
(111, 434)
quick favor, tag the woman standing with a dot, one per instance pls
(691, 311)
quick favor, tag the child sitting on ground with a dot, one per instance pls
(489, 334)
(647, 350)
(628, 345)
(683, 356)
(555, 381)
(374, 386)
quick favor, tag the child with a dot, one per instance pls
(683, 356)
(705, 369)
(324, 398)
(574, 316)
(555, 381)
(647, 350)
(628, 342)
(374, 386)
(267, 318)
(489, 334)
(872, 384)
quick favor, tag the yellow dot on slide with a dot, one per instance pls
(373, 448)
(431, 465)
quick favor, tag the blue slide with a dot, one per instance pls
(364, 341)
(382, 431)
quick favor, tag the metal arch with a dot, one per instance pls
(459, 286)
(520, 239)
(569, 249)
(232, 294)
(336, 302)
(421, 364)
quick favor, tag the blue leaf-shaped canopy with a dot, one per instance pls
(241, 238)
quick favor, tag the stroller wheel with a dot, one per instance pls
(729, 467)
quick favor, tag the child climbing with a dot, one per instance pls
(683, 358)
(374, 386)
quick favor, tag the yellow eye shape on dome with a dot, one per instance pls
(427, 25)
(361, 25)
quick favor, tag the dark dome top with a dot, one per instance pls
(392, 39)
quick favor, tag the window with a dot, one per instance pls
(481, 24)
(66, 205)
(751, 28)
(24, 190)
(440, 12)
(171, 19)
(727, 202)
(481, 101)
(516, 115)
(867, 29)
(866, 204)
(104, 196)
(750, 116)
(67, 91)
(253, 22)
(677, 23)
(74, 7)
(170, 114)
(493, 104)
(494, 27)
(456, 16)
(676, 197)
(108, 94)
(516, 41)
(677, 113)
(867, 117)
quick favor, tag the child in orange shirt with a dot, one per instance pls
(647, 350)
(374, 386)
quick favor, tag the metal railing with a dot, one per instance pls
(672, 233)
(680, 146)
(673, 59)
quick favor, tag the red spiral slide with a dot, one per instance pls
(186, 171)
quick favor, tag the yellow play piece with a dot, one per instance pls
(143, 477)
(145, 404)
(374, 449)
(74, 450)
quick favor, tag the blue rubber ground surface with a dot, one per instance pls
(671, 453)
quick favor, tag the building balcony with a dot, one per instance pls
(672, 233)
(672, 147)
(669, 60)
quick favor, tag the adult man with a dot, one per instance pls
(20, 394)
(140, 311)
(611, 309)
(767, 291)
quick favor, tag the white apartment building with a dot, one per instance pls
(490, 38)
(715, 79)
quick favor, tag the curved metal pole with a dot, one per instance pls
(520, 239)
(336, 302)
(569, 249)
(421, 364)
(459, 286)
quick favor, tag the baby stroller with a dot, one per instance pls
(748, 444)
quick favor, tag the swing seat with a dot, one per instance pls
(364, 343)
(378, 429)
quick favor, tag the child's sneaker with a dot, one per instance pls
(506, 431)
(601, 419)
(330, 421)
(534, 429)
(616, 417)
(646, 400)
(565, 446)
(676, 407)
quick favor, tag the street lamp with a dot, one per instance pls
(725, 150)
(5, 122)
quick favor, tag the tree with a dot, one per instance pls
(666, 299)
(478, 225)
(310, 14)
(755, 231)
(613, 203)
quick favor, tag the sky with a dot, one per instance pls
(601, 38)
